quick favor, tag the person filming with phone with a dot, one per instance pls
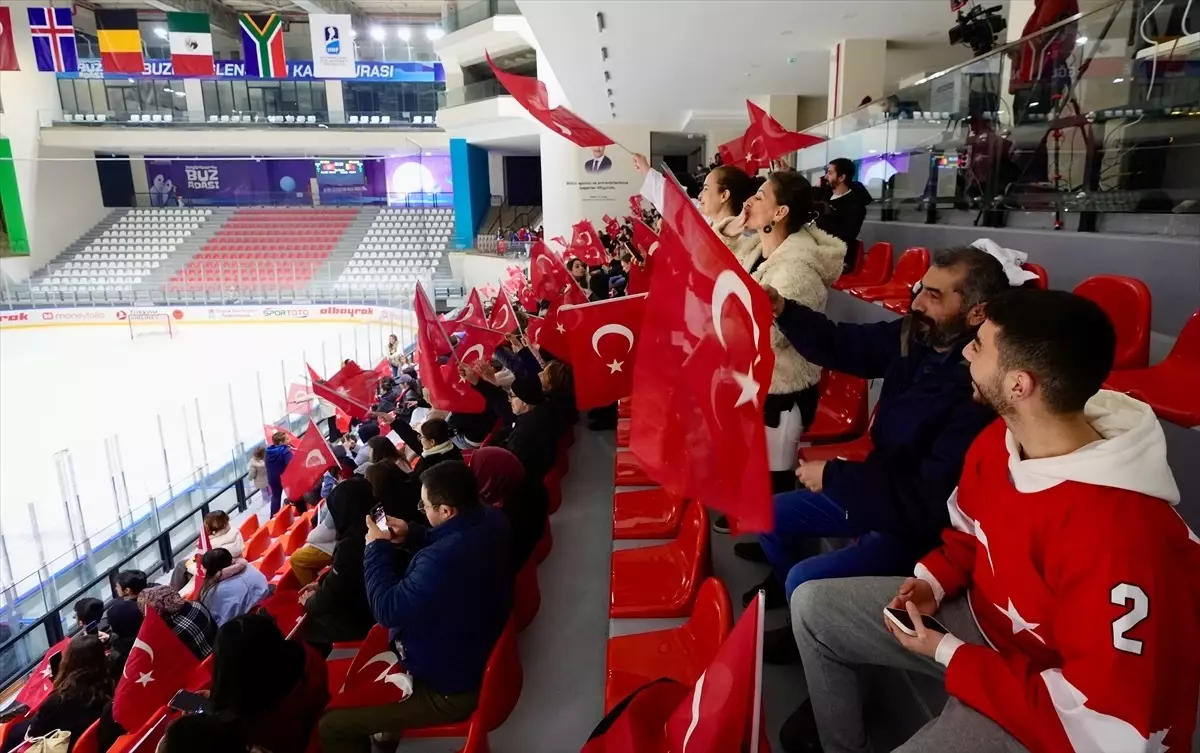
(1065, 599)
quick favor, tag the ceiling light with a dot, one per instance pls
(610, 92)
(161, 32)
(354, 33)
(1081, 40)
(600, 21)
(607, 76)
(404, 33)
(377, 33)
(434, 33)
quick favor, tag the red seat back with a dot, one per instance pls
(527, 597)
(1187, 345)
(693, 539)
(281, 522)
(249, 527)
(273, 560)
(711, 620)
(502, 681)
(1043, 280)
(1127, 302)
(911, 266)
(295, 538)
(257, 544)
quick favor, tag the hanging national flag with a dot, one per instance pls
(53, 34)
(586, 246)
(504, 318)
(191, 44)
(705, 363)
(601, 337)
(158, 667)
(531, 94)
(41, 680)
(766, 139)
(436, 365)
(8, 50)
(120, 41)
(262, 45)
(313, 456)
(478, 344)
(472, 313)
(376, 675)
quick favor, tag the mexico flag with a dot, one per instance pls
(191, 44)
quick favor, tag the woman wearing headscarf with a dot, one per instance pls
(336, 606)
(187, 619)
(231, 587)
(272, 689)
(503, 484)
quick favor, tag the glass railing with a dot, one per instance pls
(1070, 121)
(490, 244)
(472, 13)
(476, 92)
(134, 499)
(241, 119)
(409, 199)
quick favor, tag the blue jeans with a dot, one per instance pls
(804, 515)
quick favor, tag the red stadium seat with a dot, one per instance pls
(498, 696)
(1170, 387)
(646, 514)
(624, 426)
(855, 450)
(527, 596)
(910, 268)
(544, 545)
(876, 269)
(297, 535)
(562, 461)
(627, 471)
(898, 305)
(147, 738)
(89, 741)
(257, 544)
(1043, 279)
(662, 580)
(841, 409)
(272, 561)
(681, 654)
(553, 483)
(282, 521)
(1127, 302)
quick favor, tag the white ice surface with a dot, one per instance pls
(70, 388)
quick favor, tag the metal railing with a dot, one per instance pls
(490, 244)
(240, 119)
(301, 197)
(476, 92)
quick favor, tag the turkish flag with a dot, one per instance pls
(601, 337)
(611, 226)
(645, 240)
(158, 667)
(549, 334)
(548, 273)
(41, 680)
(312, 457)
(766, 140)
(504, 318)
(437, 366)
(724, 710)
(733, 153)
(586, 246)
(478, 344)
(377, 675)
(635, 725)
(635, 204)
(531, 94)
(352, 405)
(637, 281)
(702, 373)
(472, 313)
(300, 399)
(560, 240)
(270, 430)
(383, 369)
(8, 50)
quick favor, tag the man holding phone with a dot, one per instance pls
(1080, 629)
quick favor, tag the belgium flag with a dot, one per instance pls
(120, 42)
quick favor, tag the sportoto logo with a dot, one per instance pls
(340, 311)
(286, 313)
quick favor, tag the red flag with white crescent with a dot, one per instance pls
(586, 246)
(531, 94)
(602, 337)
(437, 366)
(472, 313)
(376, 675)
(645, 240)
(478, 344)
(269, 431)
(702, 373)
(548, 274)
(41, 681)
(311, 458)
(638, 280)
(766, 139)
(300, 399)
(504, 318)
(159, 665)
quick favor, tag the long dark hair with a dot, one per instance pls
(254, 667)
(84, 671)
(213, 562)
(795, 192)
(739, 185)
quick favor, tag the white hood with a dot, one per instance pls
(1132, 455)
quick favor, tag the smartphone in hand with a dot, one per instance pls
(900, 618)
(189, 703)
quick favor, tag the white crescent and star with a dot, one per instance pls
(476, 347)
(729, 284)
(1019, 623)
(613, 329)
(565, 131)
(144, 678)
(401, 680)
(313, 459)
(500, 325)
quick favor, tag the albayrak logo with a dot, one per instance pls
(355, 311)
(286, 313)
(13, 318)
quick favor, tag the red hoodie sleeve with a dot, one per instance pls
(951, 565)
(1125, 619)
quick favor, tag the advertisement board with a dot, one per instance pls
(187, 315)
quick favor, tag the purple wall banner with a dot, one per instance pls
(417, 174)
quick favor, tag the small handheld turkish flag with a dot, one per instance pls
(635, 203)
(733, 153)
(342, 400)
(601, 337)
(269, 430)
(504, 318)
(472, 313)
(638, 280)
(41, 681)
(383, 369)
(313, 456)
(300, 399)
(437, 366)
(531, 94)
(376, 675)
(586, 246)
(645, 240)
(158, 667)
(549, 335)
(705, 363)
(766, 139)
(548, 274)
(478, 344)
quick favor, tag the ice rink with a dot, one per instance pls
(72, 388)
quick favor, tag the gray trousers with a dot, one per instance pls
(838, 624)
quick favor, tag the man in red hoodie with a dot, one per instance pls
(1068, 583)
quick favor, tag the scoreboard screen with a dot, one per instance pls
(332, 167)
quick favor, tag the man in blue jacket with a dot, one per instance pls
(894, 503)
(444, 612)
(278, 457)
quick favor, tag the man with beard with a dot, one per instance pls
(893, 503)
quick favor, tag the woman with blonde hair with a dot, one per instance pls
(221, 535)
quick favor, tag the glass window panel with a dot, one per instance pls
(241, 96)
(318, 97)
(208, 92)
(304, 102)
(224, 97)
(148, 94)
(66, 95)
(257, 103)
(83, 95)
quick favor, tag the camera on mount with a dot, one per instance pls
(979, 28)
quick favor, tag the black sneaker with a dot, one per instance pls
(779, 646)
(750, 551)
(799, 732)
(775, 597)
(720, 524)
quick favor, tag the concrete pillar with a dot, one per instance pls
(141, 182)
(335, 101)
(472, 194)
(857, 69)
(496, 175)
(195, 100)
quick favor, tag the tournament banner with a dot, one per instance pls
(221, 181)
(332, 45)
(300, 70)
